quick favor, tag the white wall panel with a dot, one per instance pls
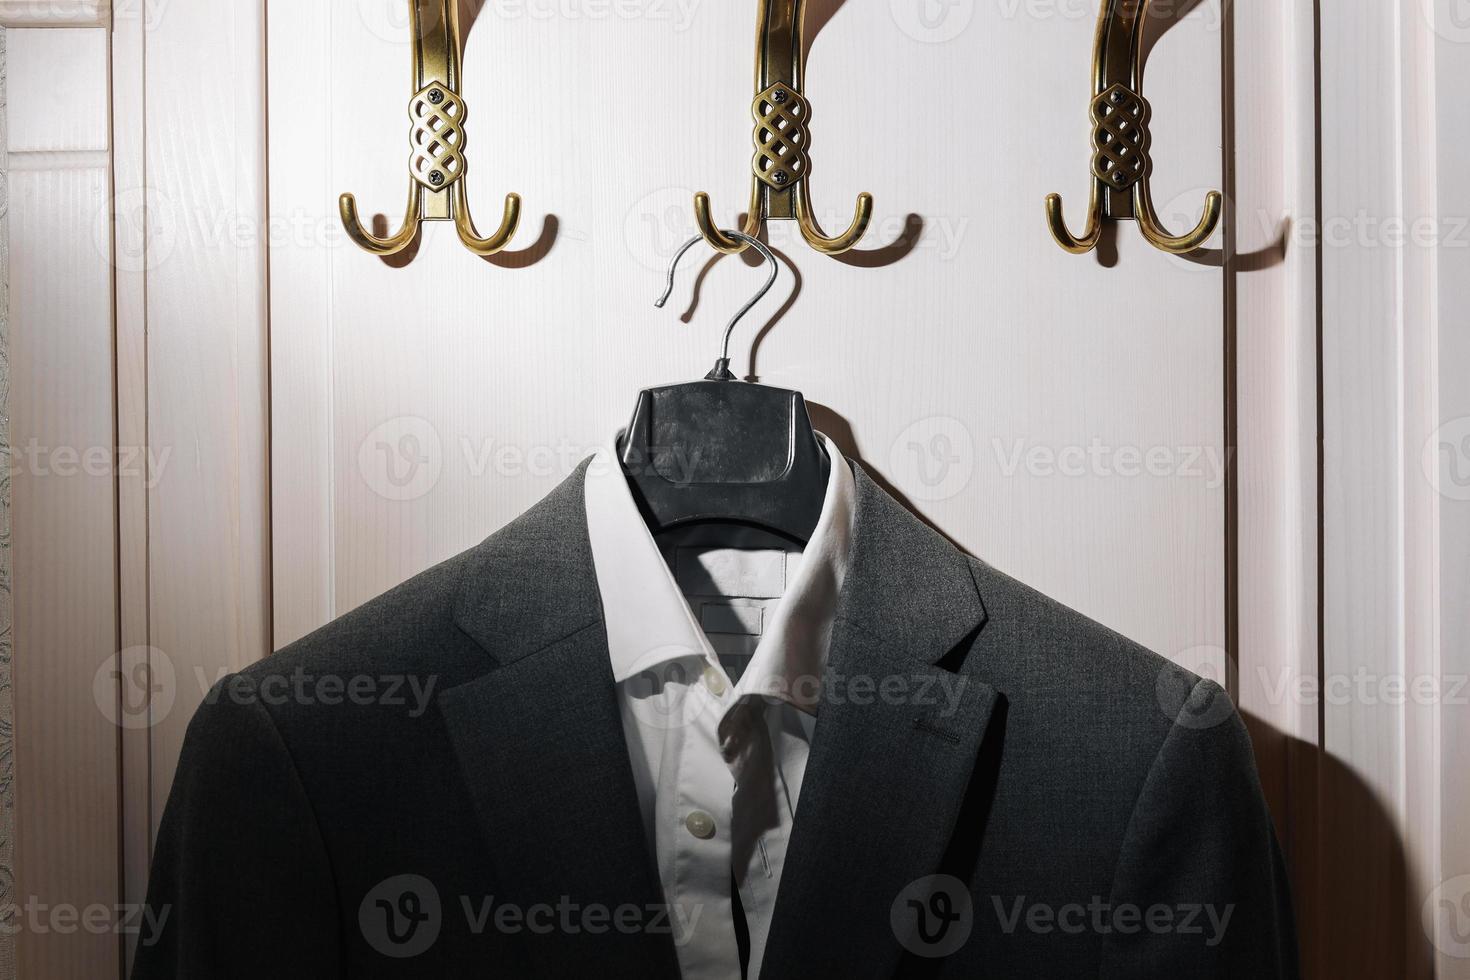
(61, 408)
(982, 332)
(209, 565)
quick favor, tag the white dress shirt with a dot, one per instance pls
(718, 636)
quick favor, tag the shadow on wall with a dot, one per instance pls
(1358, 914)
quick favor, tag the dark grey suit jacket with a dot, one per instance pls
(437, 785)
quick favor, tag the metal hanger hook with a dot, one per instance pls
(437, 165)
(1122, 144)
(721, 370)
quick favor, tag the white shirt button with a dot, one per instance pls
(714, 680)
(700, 824)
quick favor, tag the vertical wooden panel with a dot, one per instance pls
(1372, 722)
(1272, 279)
(1273, 289)
(208, 546)
(1382, 789)
(302, 198)
(132, 234)
(1418, 329)
(7, 609)
(66, 692)
(1453, 66)
(1362, 323)
(1362, 565)
(1441, 761)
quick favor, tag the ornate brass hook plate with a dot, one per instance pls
(1121, 142)
(436, 163)
(781, 167)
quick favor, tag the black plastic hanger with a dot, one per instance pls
(726, 450)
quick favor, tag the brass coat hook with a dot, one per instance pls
(436, 164)
(1121, 142)
(781, 168)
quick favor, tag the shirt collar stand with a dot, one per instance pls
(649, 622)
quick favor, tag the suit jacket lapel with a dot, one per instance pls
(540, 744)
(888, 773)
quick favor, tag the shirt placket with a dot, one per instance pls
(760, 815)
(700, 826)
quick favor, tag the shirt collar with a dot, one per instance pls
(649, 623)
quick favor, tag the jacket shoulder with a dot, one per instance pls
(427, 623)
(1040, 648)
(410, 627)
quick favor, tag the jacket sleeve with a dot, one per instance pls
(1200, 888)
(241, 885)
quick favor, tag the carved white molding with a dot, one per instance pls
(55, 13)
